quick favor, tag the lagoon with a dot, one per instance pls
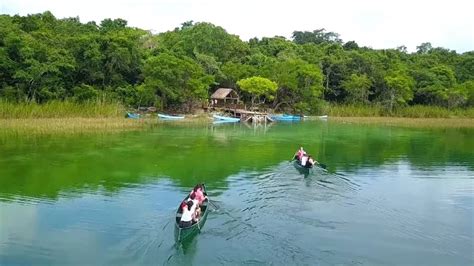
(391, 195)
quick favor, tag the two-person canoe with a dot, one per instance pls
(183, 233)
(170, 117)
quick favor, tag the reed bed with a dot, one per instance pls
(353, 110)
(60, 109)
(70, 125)
(79, 125)
(416, 111)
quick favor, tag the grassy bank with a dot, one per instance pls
(417, 111)
(60, 109)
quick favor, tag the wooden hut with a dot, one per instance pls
(225, 98)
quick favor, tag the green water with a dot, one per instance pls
(390, 196)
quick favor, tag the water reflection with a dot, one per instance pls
(191, 154)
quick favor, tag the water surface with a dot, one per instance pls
(390, 196)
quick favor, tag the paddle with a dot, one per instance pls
(292, 158)
(321, 165)
(212, 203)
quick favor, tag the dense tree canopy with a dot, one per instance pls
(43, 58)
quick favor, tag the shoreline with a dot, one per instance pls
(40, 126)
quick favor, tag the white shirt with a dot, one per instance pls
(187, 214)
(195, 204)
(303, 160)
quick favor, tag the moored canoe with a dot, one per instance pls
(132, 115)
(286, 117)
(170, 117)
(226, 118)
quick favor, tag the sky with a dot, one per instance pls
(379, 24)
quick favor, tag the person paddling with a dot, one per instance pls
(299, 154)
(304, 160)
(187, 216)
(311, 162)
(196, 207)
(199, 194)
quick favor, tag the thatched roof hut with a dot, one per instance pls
(223, 97)
(225, 94)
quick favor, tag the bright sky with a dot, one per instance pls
(374, 23)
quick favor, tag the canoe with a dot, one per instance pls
(297, 163)
(226, 118)
(169, 117)
(132, 115)
(222, 122)
(286, 117)
(186, 232)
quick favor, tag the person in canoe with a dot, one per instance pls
(299, 154)
(196, 212)
(304, 160)
(197, 196)
(188, 209)
(307, 161)
(311, 162)
(198, 193)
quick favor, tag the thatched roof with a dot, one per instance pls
(223, 93)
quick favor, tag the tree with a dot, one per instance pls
(85, 93)
(433, 85)
(334, 68)
(233, 72)
(350, 45)
(299, 82)
(176, 80)
(398, 90)
(274, 47)
(457, 96)
(318, 36)
(357, 87)
(203, 38)
(465, 67)
(113, 24)
(469, 87)
(424, 48)
(258, 87)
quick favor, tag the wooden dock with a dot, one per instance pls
(249, 116)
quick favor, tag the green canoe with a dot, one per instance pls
(186, 232)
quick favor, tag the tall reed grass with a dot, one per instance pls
(60, 109)
(416, 111)
(354, 110)
(45, 126)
